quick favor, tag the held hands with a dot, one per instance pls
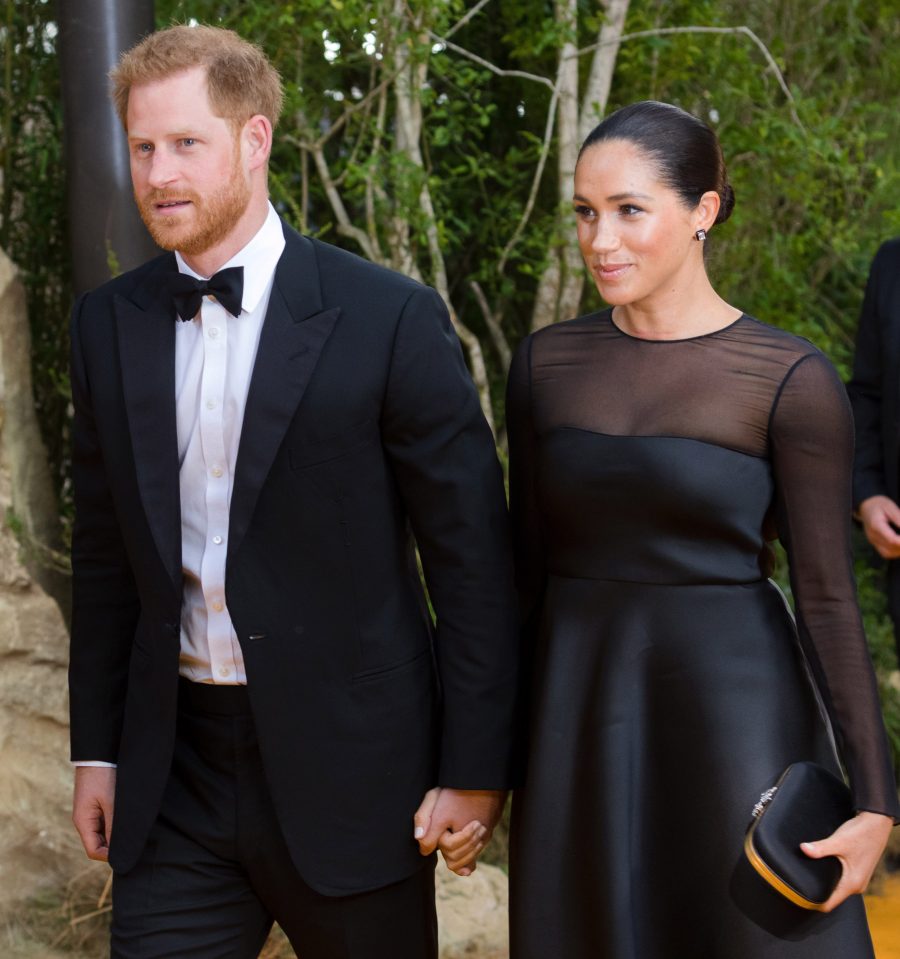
(92, 808)
(858, 843)
(880, 515)
(459, 822)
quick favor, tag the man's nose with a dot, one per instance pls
(163, 170)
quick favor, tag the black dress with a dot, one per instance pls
(669, 686)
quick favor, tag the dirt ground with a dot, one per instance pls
(75, 928)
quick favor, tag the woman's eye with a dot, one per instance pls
(584, 212)
(629, 209)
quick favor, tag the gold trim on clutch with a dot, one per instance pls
(772, 878)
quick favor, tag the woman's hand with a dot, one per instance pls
(459, 822)
(858, 843)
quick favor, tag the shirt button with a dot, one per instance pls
(210, 404)
(213, 332)
(216, 471)
(224, 672)
(217, 605)
(217, 540)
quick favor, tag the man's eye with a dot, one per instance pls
(188, 141)
(143, 148)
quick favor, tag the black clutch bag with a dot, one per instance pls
(807, 803)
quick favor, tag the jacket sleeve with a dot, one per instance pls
(105, 605)
(444, 459)
(866, 387)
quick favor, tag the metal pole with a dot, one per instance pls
(107, 235)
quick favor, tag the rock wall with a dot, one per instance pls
(38, 847)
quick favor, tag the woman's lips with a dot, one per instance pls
(611, 271)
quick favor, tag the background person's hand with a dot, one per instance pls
(92, 808)
(858, 844)
(880, 515)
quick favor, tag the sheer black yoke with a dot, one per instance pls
(672, 462)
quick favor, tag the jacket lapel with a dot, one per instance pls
(295, 330)
(146, 332)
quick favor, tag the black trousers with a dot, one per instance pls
(216, 873)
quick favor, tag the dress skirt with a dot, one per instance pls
(661, 714)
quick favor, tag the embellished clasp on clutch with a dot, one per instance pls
(806, 802)
(764, 801)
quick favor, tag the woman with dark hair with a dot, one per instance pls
(655, 448)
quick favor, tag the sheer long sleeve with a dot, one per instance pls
(811, 441)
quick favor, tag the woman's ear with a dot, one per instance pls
(707, 210)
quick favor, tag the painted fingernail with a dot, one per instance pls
(420, 832)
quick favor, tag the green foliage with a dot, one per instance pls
(33, 224)
(813, 204)
(814, 198)
(880, 633)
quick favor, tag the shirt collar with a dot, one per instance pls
(258, 258)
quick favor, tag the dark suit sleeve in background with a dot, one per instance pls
(445, 463)
(871, 395)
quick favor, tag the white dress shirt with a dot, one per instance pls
(214, 357)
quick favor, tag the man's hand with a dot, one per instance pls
(880, 515)
(459, 822)
(92, 808)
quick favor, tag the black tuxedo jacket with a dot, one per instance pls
(875, 387)
(362, 428)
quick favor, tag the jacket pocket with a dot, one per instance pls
(324, 451)
(390, 670)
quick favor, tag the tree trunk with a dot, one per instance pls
(562, 281)
(410, 81)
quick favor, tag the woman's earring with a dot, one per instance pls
(700, 235)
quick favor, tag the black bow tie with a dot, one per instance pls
(187, 292)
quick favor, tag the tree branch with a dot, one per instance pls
(744, 31)
(353, 108)
(487, 64)
(461, 23)
(493, 324)
(535, 183)
(344, 225)
(596, 94)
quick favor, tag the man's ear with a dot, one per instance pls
(257, 137)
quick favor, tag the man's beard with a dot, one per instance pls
(214, 217)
